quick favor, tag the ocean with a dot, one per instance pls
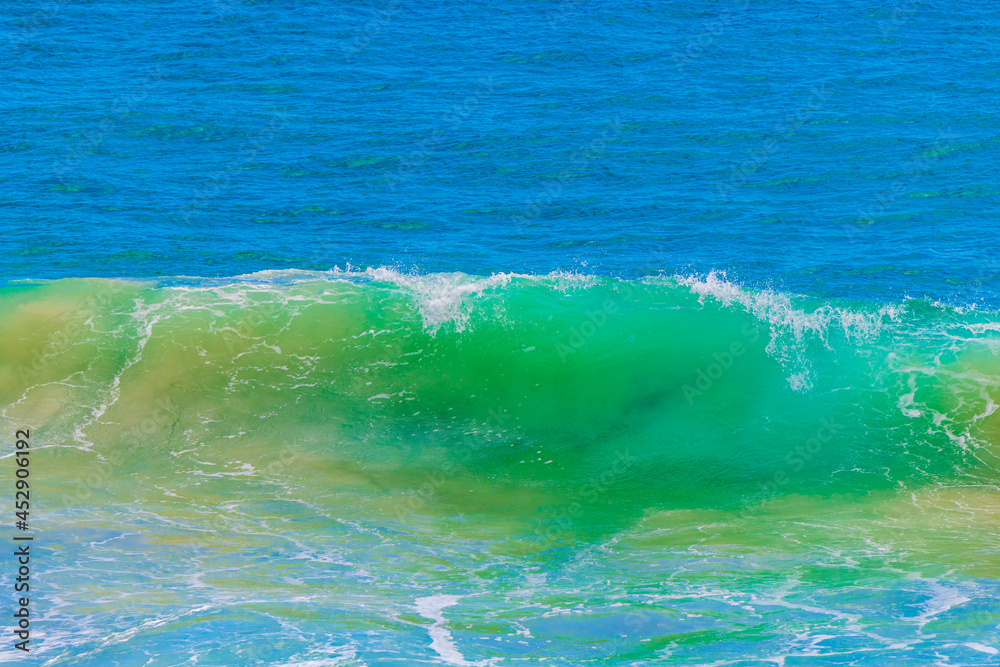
(495, 333)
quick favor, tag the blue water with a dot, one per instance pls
(835, 150)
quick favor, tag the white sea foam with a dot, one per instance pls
(336, 655)
(982, 648)
(432, 607)
(942, 599)
(792, 328)
(442, 297)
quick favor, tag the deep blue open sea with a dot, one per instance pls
(846, 149)
(558, 332)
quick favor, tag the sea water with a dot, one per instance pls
(504, 333)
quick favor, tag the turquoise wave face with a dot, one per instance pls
(464, 470)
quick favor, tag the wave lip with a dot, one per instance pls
(792, 327)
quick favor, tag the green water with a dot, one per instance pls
(392, 469)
